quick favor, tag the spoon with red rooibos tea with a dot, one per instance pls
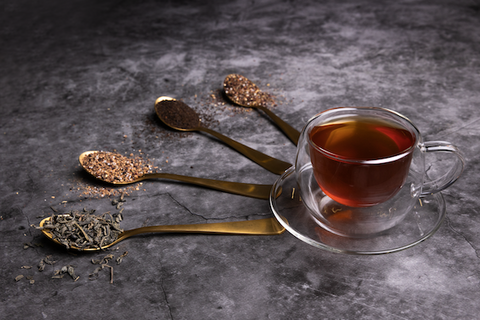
(117, 169)
(245, 93)
(179, 116)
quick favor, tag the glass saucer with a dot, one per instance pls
(420, 224)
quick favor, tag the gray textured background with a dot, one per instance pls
(82, 75)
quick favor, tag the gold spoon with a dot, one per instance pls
(268, 226)
(185, 118)
(245, 93)
(259, 191)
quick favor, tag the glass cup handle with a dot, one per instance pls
(452, 175)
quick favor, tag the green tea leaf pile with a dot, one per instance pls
(84, 230)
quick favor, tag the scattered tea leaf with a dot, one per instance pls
(120, 259)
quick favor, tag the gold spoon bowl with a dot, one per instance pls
(269, 226)
(161, 107)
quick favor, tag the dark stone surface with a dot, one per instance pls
(84, 75)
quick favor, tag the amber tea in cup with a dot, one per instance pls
(360, 161)
(361, 170)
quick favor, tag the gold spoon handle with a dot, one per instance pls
(268, 226)
(271, 164)
(292, 133)
(259, 191)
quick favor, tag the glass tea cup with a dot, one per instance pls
(360, 170)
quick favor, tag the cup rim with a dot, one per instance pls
(411, 127)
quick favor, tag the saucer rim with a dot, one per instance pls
(441, 213)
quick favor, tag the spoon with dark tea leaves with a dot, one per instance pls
(268, 226)
(115, 168)
(245, 93)
(179, 116)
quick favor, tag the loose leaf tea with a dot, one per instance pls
(104, 260)
(83, 230)
(244, 92)
(79, 229)
(58, 274)
(120, 259)
(27, 245)
(45, 261)
(177, 114)
(113, 167)
(104, 264)
(95, 273)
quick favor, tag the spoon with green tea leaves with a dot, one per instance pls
(179, 116)
(245, 93)
(118, 169)
(80, 231)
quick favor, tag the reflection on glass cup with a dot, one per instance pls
(360, 170)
